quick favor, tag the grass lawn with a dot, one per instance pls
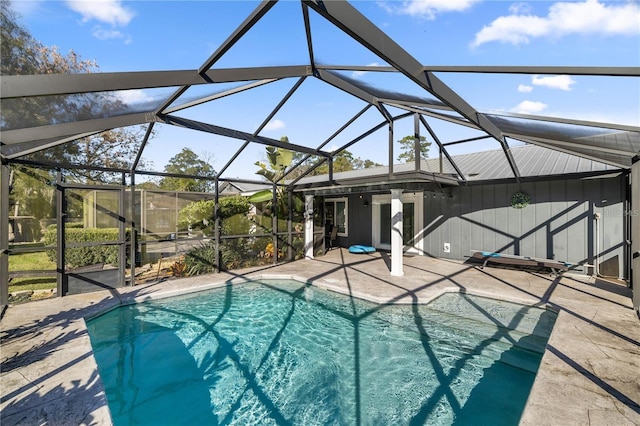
(31, 262)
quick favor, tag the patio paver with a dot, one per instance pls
(589, 374)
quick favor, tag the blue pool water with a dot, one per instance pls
(282, 352)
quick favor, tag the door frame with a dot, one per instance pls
(62, 276)
(417, 199)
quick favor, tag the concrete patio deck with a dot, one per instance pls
(589, 374)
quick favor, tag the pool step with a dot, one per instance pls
(512, 334)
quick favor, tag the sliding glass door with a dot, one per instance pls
(411, 222)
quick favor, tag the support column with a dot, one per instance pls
(4, 234)
(635, 232)
(308, 226)
(133, 243)
(62, 281)
(396, 233)
(216, 224)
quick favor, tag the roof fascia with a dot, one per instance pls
(546, 178)
(410, 180)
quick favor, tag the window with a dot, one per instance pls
(408, 224)
(336, 214)
(412, 211)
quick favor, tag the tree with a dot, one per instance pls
(345, 161)
(33, 192)
(114, 148)
(407, 146)
(187, 162)
(278, 159)
(21, 54)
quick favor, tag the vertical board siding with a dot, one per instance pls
(558, 223)
(360, 221)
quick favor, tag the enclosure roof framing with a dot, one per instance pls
(612, 144)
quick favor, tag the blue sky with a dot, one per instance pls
(161, 35)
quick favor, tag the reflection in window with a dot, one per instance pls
(408, 223)
(336, 214)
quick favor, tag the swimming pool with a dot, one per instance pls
(282, 352)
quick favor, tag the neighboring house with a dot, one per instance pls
(242, 188)
(577, 210)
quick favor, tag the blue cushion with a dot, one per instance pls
(361, 249)
(490, 254)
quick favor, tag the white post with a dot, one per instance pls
(396, 233)
(308, 226)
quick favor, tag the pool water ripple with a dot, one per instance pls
(287, 353)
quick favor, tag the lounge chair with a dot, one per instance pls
(485, 257)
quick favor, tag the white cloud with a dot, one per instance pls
(520, 8)
(274, 125)
(563, 18)
(529, 107)
(107, 11)
(562, 82)
(133, 96)
(104, 34)
(429, 8)
(524, 88)
(357, 74)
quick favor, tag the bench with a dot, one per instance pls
(555, 266)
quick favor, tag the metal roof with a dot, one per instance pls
(242, 188)
(533, 161)
(432, 99)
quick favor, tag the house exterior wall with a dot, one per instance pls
(360, 217)
(558, 223)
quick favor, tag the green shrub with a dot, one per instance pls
(202, 259)
(67, 225)
(236, 253)
(84, 256)
(199, 215)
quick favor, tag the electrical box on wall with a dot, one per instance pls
(446, 247)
